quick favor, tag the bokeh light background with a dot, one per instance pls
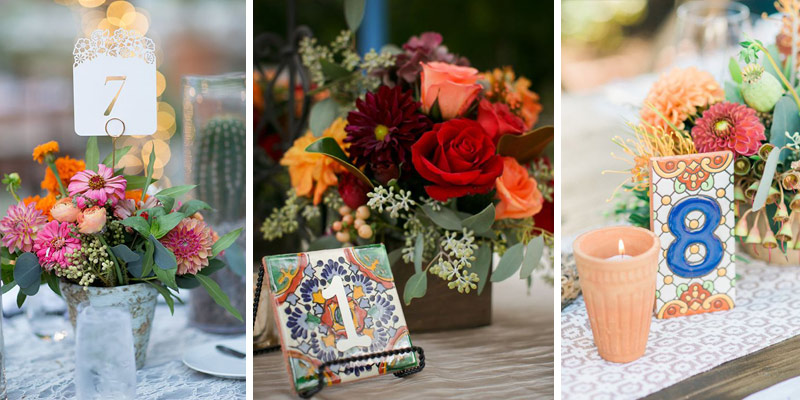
(192, 37)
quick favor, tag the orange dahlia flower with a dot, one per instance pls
(678, 95)
(43, 150)
(312, 173)
(67, 168)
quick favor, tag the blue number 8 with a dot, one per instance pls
(684, 237)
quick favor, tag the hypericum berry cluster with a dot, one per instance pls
(357, 224)
(89, 263)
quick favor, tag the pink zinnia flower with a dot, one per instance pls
(54, 242)
(101, 186)
(729, 126)
(20, 226)
(191, 243)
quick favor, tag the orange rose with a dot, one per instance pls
(454, 87)
(92, 220)
(518, 192)
(65, 211)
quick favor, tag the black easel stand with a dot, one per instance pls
(363, 357)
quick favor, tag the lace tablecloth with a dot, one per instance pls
(767, 311)
(38, 369)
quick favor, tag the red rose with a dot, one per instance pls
(353, 190)
(458, 158)
(498, 120)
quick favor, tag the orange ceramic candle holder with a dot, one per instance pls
(619, 294)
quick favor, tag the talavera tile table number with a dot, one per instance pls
(334, 304)
(692, 213)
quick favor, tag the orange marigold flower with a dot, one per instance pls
(135, 195)
(678, 95)
(503, 86)
(67, 168)
(43, 150)
(313, 173)
(43, 204)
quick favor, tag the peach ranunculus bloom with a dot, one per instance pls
(92, 220)
(312, 173)
(518, 192)
(453, 86)
(65, 210)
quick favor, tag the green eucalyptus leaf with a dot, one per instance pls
(139, 224)
(784, 119)
(192, 206)
(419, 247)
(444, 217)
(733, 93)
(7, 286)
(166, 223)
(136, 182)
(167, 201)
(330, 148)
(92, 154)
(482, 265)
(119, 154)
(162, 258)
(224, 242)
(214, 265)
(20, 298)
(187, 281)
(533, 254)
(165, 293)
(52, 282)
(332, 72)
(735, 70)
(509, 263)
(482, 221)
(176, 191)
(136, 267)
(395, 256)
(416, 286)
(125, 254)
(766, 180)
(234, 255)
(322, 115)
(28, 272)
(354, 13)
(218, 295)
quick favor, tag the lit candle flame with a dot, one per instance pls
(621, 248)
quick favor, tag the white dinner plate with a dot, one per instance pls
(207, 359)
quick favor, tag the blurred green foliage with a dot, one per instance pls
(489, 33)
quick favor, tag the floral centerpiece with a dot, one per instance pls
(416, 149)
(755, 114)
(95, 231)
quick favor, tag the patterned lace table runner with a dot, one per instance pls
(767, 311)
(39, 369)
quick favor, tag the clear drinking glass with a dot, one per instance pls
(215, 150)
(47, 315)
(708, 34)
(105, 365)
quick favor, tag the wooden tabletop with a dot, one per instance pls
(512, 358)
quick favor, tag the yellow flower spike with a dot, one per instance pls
(781, 214)
(769, 240)
(751, 190)
(754, 237)
(741, 227)
(738, 194)
(785, 233)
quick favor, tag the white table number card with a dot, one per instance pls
(114, 84)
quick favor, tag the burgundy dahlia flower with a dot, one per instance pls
(383, 128)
